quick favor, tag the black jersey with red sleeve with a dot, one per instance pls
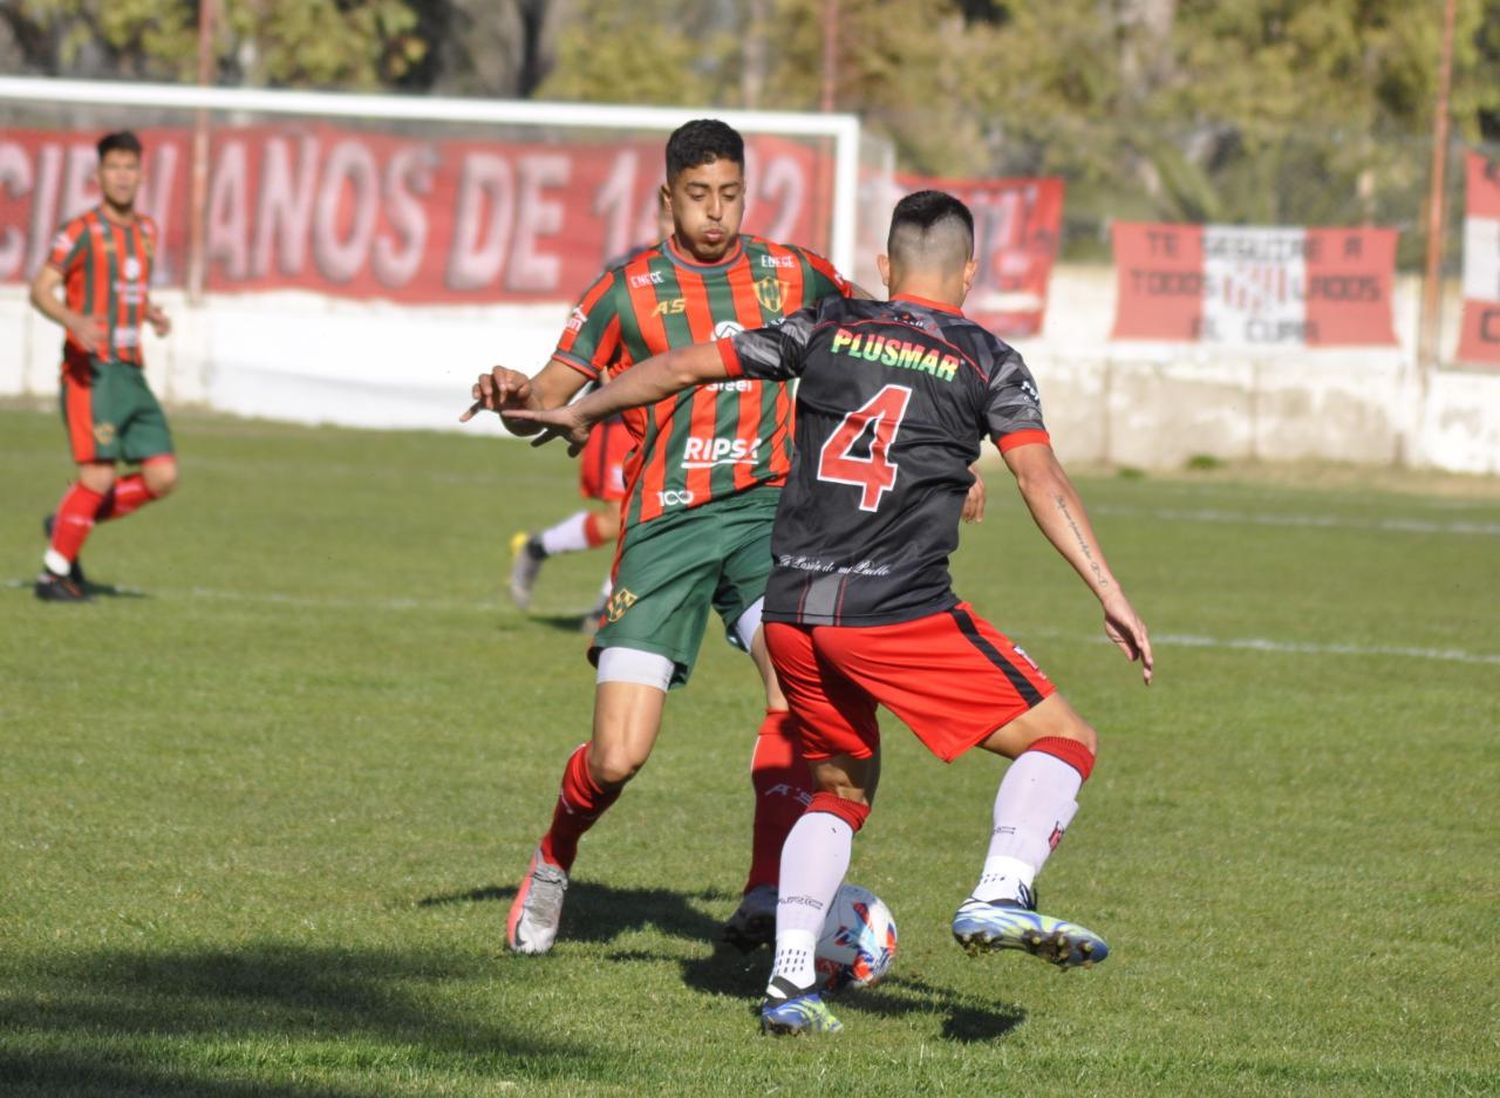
(895, 400)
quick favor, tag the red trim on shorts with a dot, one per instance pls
(1023, 438)
(80, 399)
(851, 812)
(1075, 754)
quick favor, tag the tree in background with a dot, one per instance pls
(354, 44)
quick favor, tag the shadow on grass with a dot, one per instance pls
(566, 623)
(601, 913)
(228, 1022)
(727, 971)
(92, 589)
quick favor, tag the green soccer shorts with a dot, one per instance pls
(672, 569)
(110, 413)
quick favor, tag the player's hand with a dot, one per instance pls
(1125, 628)
(160, 322)
(564, 423)
(974, 502)
(91, 333)
(501, 390)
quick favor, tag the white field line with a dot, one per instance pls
(1322, 522)
(1164, 640)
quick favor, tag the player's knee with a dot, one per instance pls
(161, 477)
(614, 766)
(97, 477)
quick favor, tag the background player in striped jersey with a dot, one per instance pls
(702, 486)
(601, 476)
(895, 399)
(103, 261)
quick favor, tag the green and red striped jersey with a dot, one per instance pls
(715, 440)
(106, 269)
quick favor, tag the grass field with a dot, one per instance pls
(263, 812)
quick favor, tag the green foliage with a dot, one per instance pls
(259, 826)
(288, 43)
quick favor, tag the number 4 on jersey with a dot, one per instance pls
(880, 416)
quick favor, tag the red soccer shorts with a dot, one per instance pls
(601, 464)
(952, 677)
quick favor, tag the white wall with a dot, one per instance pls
(310, 359)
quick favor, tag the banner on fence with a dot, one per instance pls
(364, 215)
(1479, 337)
(1254, 286)
(1017, 225)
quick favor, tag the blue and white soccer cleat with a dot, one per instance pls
(801, 1011)
(981, 926)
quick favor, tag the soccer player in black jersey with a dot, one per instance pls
(895, 400)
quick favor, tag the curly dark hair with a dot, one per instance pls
(703, 141)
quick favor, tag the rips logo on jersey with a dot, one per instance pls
(704, 453)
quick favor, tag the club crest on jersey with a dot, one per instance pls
(771, 294)
(619, 602)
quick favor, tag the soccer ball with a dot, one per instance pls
(858, 942)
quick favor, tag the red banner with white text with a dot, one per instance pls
(1479, 337)
(372, 215)
(1249, 286)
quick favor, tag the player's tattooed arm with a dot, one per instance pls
(1059, 513)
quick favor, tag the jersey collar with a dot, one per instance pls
(682, 259)
(928, 303)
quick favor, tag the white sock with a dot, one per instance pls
(605, 590)
(56, 563)
(1033, 807)
(566, 536)
(814, 860)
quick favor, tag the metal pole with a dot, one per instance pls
(198, 202)
(829, 96)
(1430, 326)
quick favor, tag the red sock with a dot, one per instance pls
(129, 494)
(74, 519)
(783, 788)
(591, 532)
(581, 802)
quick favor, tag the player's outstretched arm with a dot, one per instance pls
(505, 391)
(1055, 506)
(653, 379)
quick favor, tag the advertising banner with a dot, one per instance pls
(365, 214)
(1479, 337)
(1243, 286)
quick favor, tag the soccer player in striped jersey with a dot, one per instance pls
(601, 476)
(894, 402)
(701, 490)
(102, 259)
